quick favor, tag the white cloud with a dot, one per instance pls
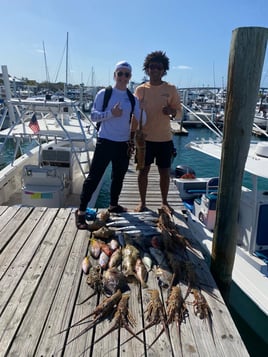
(182, 67)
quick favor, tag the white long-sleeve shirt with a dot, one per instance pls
(115, 128)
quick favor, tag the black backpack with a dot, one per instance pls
(107, 96)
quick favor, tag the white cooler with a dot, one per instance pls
(42, 187)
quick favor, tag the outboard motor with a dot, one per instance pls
(182, 170)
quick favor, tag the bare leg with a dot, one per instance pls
(164, 186)
(143, 183)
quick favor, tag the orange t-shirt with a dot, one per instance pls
(153, 99)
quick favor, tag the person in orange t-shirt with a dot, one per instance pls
(161, 102)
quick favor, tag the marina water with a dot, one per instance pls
(204, 166)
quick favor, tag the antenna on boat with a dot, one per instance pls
(8, 94)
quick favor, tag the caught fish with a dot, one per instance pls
(94, 248)
(119, 223)
(140, 149)
(103, 260)
(86, 265)
(147, 261)
(126, 228)
(113, 244)
(106, 249)
(133, 232)
(95, 225)
(141, 273)
(116, 258)
(104, 215)
(117, 218)
(130, 255)
(113, 279)
(104, 233)
(94, 279)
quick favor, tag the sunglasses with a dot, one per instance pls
(126, 74)
(159, 66)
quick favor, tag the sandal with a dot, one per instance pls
(80, 220)
(117, 209)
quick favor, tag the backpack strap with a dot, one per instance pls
(132, 101)
(106, 98)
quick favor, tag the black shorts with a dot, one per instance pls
(160, 152)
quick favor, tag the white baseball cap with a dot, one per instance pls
(123, 65)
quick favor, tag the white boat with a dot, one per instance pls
(261, 120)
(59, 140)
(250, 271)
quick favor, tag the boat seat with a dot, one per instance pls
(212, 185)
(210, 188)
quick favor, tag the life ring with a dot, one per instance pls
(188, 176)
(184, 170)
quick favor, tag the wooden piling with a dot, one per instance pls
(246, 60)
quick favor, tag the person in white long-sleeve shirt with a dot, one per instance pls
(113, 141)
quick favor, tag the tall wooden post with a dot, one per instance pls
(246, 59)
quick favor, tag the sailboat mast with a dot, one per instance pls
(67, 49)
(47, 74)
(66, 70)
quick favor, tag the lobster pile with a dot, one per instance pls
(117, 259)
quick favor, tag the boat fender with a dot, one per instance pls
(201, 217)
(183, 170)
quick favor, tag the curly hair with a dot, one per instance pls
(156, 56)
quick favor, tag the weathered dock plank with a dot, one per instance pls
(59, 287)
(130, 196)
(43, 291)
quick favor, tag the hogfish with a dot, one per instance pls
(140, 149)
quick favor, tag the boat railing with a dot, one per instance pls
(40, 138)
(208, 123)
(3, 117)
(86, 142)
(260, 130)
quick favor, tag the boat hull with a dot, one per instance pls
(251, 314)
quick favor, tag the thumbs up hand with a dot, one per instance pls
(116, 110)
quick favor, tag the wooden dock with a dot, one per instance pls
(43, 289)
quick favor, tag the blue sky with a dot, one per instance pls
(196, 36)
